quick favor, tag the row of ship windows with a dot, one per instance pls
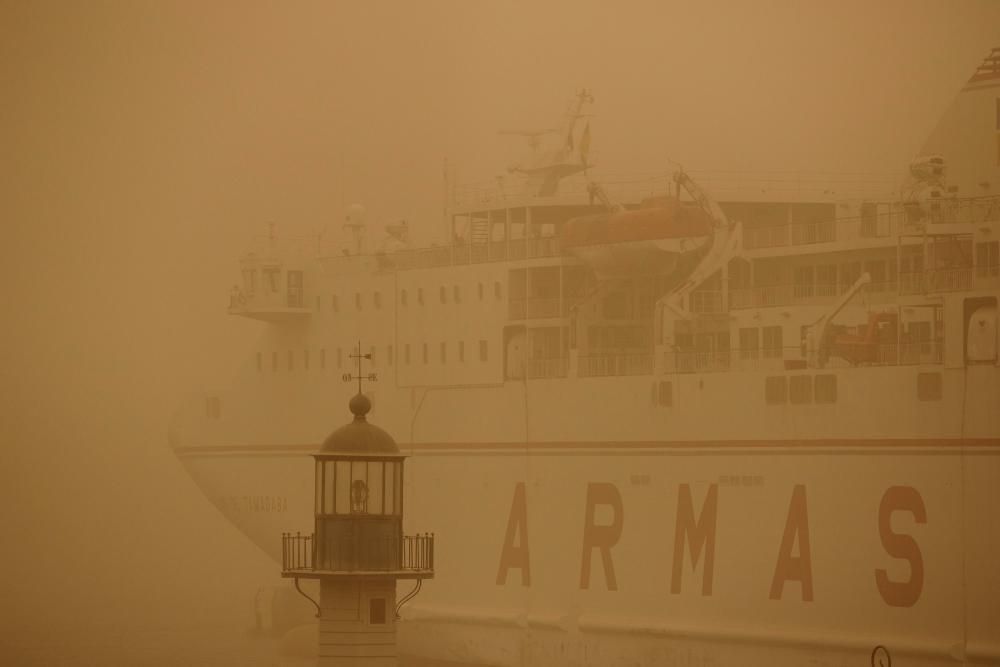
(440, 354)
(443, 292)
(807, 389)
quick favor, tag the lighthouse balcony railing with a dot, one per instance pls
(412, 553)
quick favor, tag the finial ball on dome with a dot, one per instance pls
(360, 405)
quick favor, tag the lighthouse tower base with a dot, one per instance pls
(357, 622)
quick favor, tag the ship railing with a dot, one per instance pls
(385, 553)
(841, 355)
(552, 367)
(882, 220)
(541, 308)
(705, 302)
(806, 294)
(938, 280)
(605, 365)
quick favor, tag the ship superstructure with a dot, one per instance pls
(681, 416)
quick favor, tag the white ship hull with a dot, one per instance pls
(626, 610)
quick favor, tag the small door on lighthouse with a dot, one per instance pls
(515, 353)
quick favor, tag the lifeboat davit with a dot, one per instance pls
(652, 237)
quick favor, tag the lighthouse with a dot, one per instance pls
(358, 551)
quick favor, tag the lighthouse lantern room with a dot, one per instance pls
(358, 550)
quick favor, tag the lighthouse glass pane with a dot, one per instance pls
(328, 481)
(397, 482)
(319, 488)
(359, 487)
(343, 487)
(374, 487)
(390, 466)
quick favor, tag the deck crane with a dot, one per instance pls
(726, 242)
(817, 334)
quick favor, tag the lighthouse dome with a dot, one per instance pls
(360, 437)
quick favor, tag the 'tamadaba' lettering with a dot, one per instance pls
(256, 504)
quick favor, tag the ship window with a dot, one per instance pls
(775, 390)
(825, 388)
(772, 342)
(443, 294)
(376, 611)
(305, 359)
(749, 343)
(461, 350)
(322, 358)
(425, 353)
(457, 295)
(213, 407)
(260, 362)
(333, 302)
(357, 300)
(480, 291)
(484, 351)
(402, 297)
(665, 394)
(274, 362)
(318, 303)
(377, 298)
(929, 386)
(444, 352)
(988, 259)
(420, 296)
(497, 290)
(291, 360)
(800, 389)
(406, 353)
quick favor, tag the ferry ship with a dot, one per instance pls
(687, 420)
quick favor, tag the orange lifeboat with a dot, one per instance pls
(659, 231)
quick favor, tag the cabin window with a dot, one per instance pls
(318, 301)
(772, 342)
(988, 259)
(665, 394)
(333, 303)
(800, 389)
(388, 355)
(749, 343)
(291, 360)
(444, 352)
(484, 351)
(376, 611)
(402, 297)
(775, 390)
(876, 269)
(425, 353)
(803, 278)
(929, 386)
(825, 388)
(497, 290)
(420, 296)
(260, 362)
(480, 291)
(826, 280)
(377, 299)
(443, 294)
(357, 300)
(456, 295)
(322, 358)
(305, 359)
(406, 353)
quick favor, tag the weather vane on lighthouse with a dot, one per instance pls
(371, 377)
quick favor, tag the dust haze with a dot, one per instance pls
(144, 144)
